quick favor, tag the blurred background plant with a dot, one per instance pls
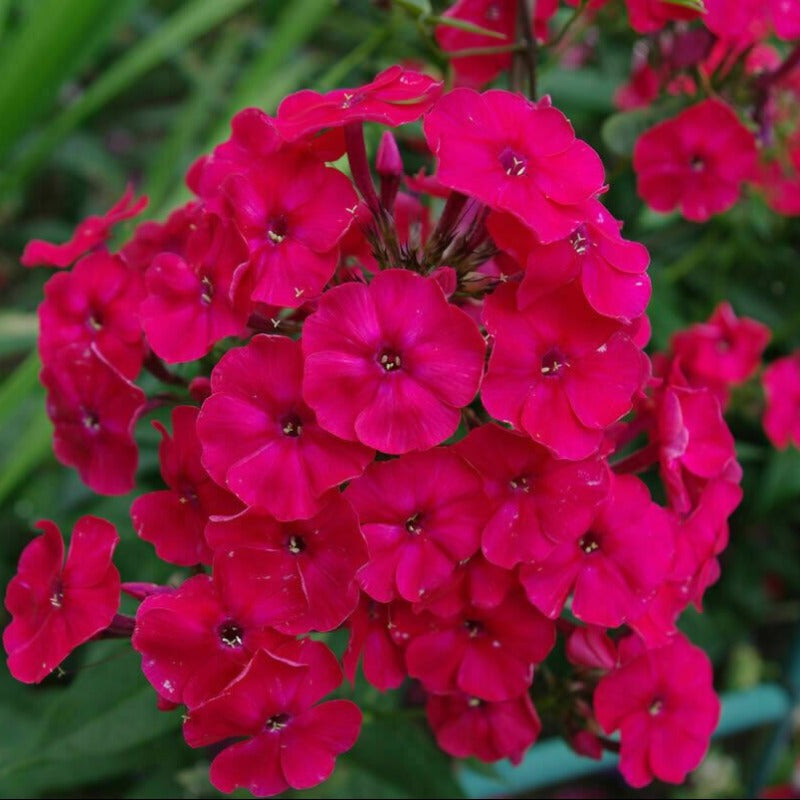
(96, 94)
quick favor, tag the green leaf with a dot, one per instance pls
(16, 388)
(620, 131)
(694, 5)
(192, 20)
(463, 25)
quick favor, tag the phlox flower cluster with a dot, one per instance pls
(414, 408)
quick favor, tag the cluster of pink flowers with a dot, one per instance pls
(415, 427)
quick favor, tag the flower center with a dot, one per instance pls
(291, 426)
(589, 543)
(553, 362)
(474, 702)
(91, 421)
(474, 628)
(231, 634)
(513, 164)
(413, 526)
(520, 484)
(57, 596)
(656, 707)
(95, 321)
(277, 230)
(580, 241)
(277, 722)
(295, 544)
(208, 291)
(698, 164)
(389, 360)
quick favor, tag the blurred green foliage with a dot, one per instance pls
(95, 94)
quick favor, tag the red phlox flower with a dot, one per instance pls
(262, 441)
(174, 520)
(93, 409)
(421, 514)
(611, 269)
(514, 155)
(96, 302)
(57, 605)
(648, 16)
(694, 439)
(641, 89)
(723, 352)
(779, 178)
(591, 647)
(696, 161)
(558, 370)
(291, 741)
(663, 703)
(391, 364)
(485, 653)
(192, 642)
(379, 634)
(396, 96)
(312, 563)
(189, 306)
(748, 21)
(536, 500)
(468, 726)
(292, 210)
(613, 568)
(781, 381)
(90, 233)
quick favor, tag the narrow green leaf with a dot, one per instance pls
(34, 445)
(191, 21)
(463, 25)
(694, 5)
(15, 390)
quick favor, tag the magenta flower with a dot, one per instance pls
(781, 382)
(391, 364)
(396, 96)
(648, 16)
(614, 567)
(485, 653)
(90, 233)
(516, 156)
(536, 500)
(189, 307)
(93, 409)
(696, 161)
(57, 605)
(723, 352)
(746, 21)
(468, 726)
(421, 515)
(97, 303)
(611, 270)
(312, 564)
(151, 238)
(174, 520)
(288, 740)
(262, 441)
(193, 644)
(663, 703)
(292, 210)
(559, 371)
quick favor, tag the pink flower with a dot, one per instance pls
(536, 500)
(592, 648)
(421, 515)
(262, 441)
(193, 643)
(514, 155)
(614, 567)
(290, 741)
(97, 302)
(312, 564)
(93, 409)
(663, 703)
(641, 90)
(57, 605)
(559, 371)
(485, 653)
(174, 520)
(396, 96)
(152, 238)
(391, 364)
(648, 16)
(611, 270)
(696, 161)
(722, 352)
(747, 21)
(292, 210)
(467, 726)
(189, 307)
(90, 233)
(781, 381)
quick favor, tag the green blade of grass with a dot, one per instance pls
(192, 20)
